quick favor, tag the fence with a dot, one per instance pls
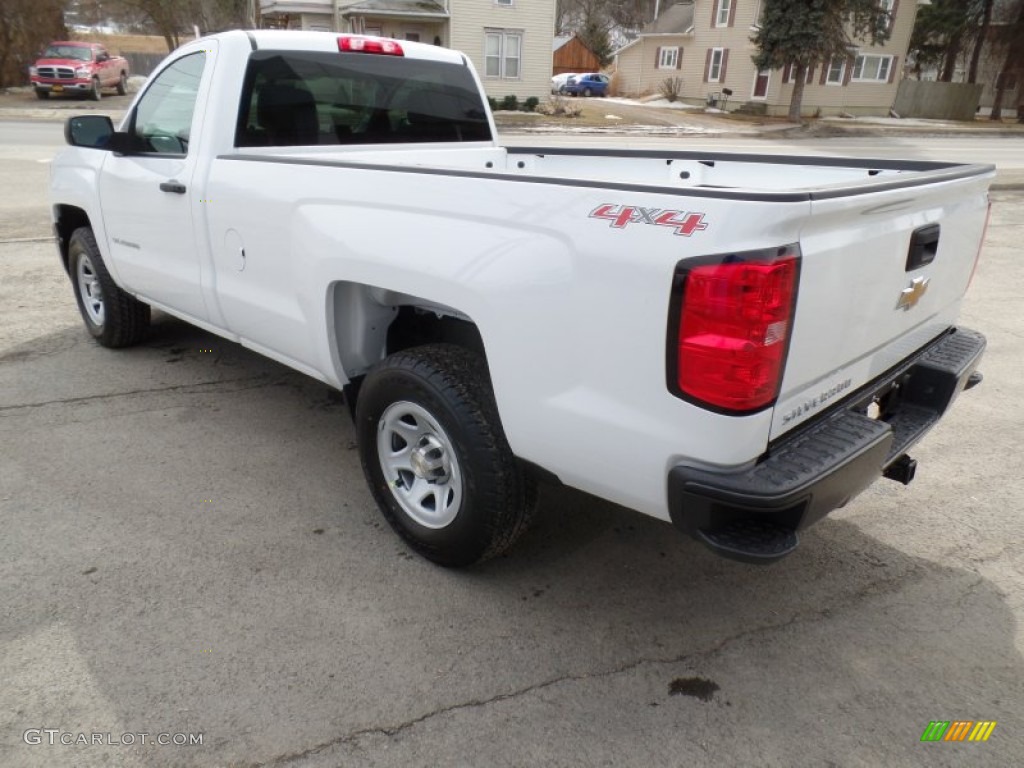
(143, 63)
(937, 101)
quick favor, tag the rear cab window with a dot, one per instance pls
(314, 98)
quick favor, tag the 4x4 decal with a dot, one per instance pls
(685, 223)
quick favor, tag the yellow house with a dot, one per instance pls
(707, 44)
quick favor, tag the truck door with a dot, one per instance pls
(146, 193)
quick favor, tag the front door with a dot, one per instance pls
(147, 195)
(761, 80)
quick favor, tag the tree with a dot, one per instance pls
(594, 35)
(944, 29)
(602, 24)
(980, 39)
(1011, 39)
(25, 27)
(803, 33)
(172, 18)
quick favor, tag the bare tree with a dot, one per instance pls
(25, 27)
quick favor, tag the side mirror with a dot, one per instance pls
(101, 57)
(91, 131)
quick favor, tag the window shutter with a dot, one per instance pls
(892, 14)
(679, 57)
(707, 64)
(657, 57)
(732, 12)
(824, 72)
(892, 68)
(714, 15)
(725, 61)
(849, 70)
(810, 74)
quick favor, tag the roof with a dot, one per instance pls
(675, 20)
(403, 7)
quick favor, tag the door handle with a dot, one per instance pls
(174, 186)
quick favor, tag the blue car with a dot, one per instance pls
(592, 84)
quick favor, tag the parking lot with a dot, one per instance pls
(189, 549)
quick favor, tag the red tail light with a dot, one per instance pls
(370, 45)
(734, 317)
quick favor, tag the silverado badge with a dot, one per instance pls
(912, 294)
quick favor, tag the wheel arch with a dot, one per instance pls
(66, 219)
(367, 323)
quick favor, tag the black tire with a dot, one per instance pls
(95, 93)
(122, 84)
(451, 386)
(112, 317)
(41, 94)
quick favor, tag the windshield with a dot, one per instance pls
(68, 52)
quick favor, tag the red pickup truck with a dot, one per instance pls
(73, 67)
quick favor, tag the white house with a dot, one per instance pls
(508, 41)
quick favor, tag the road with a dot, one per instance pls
(188, 547)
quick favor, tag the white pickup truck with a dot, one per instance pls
(738, 344)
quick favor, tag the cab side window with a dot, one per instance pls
(163, 118)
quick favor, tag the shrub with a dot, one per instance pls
(510, 103)
(531, 104)
(670, 87)
(559, 105)
(492, 103)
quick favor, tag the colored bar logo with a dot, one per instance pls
(958, 730)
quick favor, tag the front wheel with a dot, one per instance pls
(435, 456)
(112, 317)
(41, 94)
(94, 92)
(122, 84)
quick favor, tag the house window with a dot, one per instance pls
(715, 65)
(502, 54)
(724, 9)
(758, 14)
(872, 69)
(889, 6)
(412, 37)
(668, 58)
(789, 74)
(836, 72)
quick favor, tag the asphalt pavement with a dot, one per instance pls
(189, 551)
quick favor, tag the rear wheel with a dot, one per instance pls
(122, 84)
(435, 456)
(112, 317)
(94, 92)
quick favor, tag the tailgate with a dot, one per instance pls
(883, 273)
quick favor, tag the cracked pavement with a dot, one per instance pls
(188, 546)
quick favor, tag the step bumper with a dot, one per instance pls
(754, 515)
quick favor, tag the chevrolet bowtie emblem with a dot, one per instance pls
(912, 294)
